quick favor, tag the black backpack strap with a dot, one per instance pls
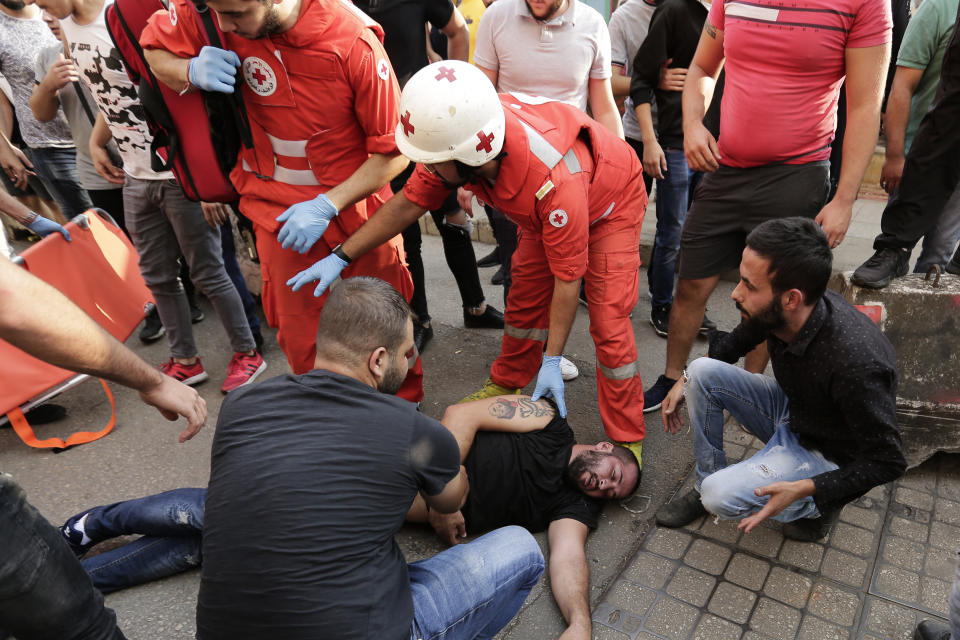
(213, 36)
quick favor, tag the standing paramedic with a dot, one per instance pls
(322, 101)
(575, 191)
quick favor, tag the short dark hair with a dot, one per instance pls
(628, 459)
(360, 315)
(799, 255)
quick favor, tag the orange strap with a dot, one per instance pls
(25, 431)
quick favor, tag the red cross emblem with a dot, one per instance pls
(558, 218)
(407, 127)
(258, 76)
(485, 140)
(445, 72)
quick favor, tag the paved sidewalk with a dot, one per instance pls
(887, 564)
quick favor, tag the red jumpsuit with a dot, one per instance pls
(321, 98)
(576, 193)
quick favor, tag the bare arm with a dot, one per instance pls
(570, 575)
(603, 107)
(99, 138)
(376, 171)
(563, 310)
(40, 320)
(16, 210)
(865, 78)
(654, 160)
(699, 145)
(392, 218)
(493, 74)
(45, 101)
(170, 69)
(619, 83)
(13, 161)
(458, 36)
(517, 414)
(905, 82)
(453, 495)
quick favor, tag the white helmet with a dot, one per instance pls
(449, 110)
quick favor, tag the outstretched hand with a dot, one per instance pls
(326, 271)
(173, 399)
(550, 384)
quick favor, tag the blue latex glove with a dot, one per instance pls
(550, 383)
(214, 70)
(44, 227)
(305, 222)
(326, 271)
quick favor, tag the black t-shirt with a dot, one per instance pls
(311, 477)
(518, 478)
(405, 36)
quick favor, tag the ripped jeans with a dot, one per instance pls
(170, 523)
(761, 406)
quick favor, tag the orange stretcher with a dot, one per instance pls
(98, 272)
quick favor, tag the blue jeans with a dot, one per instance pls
(44, 593)
(473, 590)
(171, 524)
(232, 267)
(761, 406)
(57, 169)
(673, 200)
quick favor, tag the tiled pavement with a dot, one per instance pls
(887, 564)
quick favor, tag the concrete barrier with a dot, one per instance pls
(922, 320)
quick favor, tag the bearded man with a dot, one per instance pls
(827, 416)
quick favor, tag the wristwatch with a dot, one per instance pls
(338, 251)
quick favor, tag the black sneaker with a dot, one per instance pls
(653, 397)
(660, 319)
(681, 511)
(492, 259)
(422, 334)
(954, 265)
(882, 267)
(707, 325)
(152, 327)
(931, 630)
(498, 276)
(811, 529)
(491, 318)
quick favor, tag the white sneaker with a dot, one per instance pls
(568, 370)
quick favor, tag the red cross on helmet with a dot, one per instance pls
(452, 112)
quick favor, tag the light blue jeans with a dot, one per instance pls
(761, 406)
(473, 590)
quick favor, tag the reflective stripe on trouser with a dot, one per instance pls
(612, 278)
(296, 314)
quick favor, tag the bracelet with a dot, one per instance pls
(685, 377)
(338, 251)
(30, 219)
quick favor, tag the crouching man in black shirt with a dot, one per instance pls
(828, 415)
(312, 475)
(525, 468)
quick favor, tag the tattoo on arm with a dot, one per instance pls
(710, 29)
(537, 409)
(507, 409)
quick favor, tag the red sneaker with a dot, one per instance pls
(243, 369)
(186, 373)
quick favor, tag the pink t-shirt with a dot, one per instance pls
(784, 65)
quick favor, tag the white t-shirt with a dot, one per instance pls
(628, 29)
(101, 68)
(554, 59)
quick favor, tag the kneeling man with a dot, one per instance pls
(311, 477)
(828, 415)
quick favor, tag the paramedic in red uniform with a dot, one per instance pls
(322, 102)
(575, 191)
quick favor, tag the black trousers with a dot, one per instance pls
(932, 168)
